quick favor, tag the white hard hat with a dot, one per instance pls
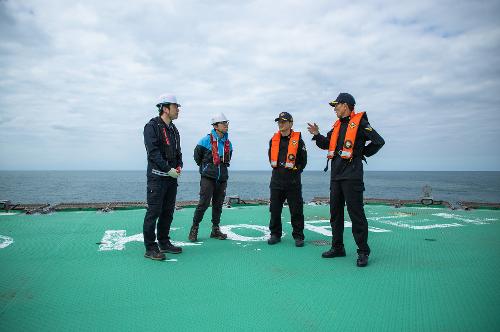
(167, 99)
(220, 117)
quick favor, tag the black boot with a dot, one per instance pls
(217, 234)
(193, 233)
(362, 260)
(155, 254)
(273, 240)
(170, 248)
(299, 242)
(334, 252)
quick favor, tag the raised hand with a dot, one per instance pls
(313, 128)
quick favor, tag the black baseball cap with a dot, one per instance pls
(343, 98)
(284, 116)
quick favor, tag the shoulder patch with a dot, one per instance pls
(369, 128)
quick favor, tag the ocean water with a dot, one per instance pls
(109, 186)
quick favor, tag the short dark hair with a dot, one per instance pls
(351, 107)
(160, 108)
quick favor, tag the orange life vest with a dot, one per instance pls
(291, 154)
(350, 137)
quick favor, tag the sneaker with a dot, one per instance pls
(155, 254)
(299, 243)
(170, 248)
(273, 240)
(217, 234)
(333, 253)
(193, 233)
(362, 260)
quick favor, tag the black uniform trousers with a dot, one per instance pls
(210, 190)
(296, 205)
(348, 192)
(161, 194)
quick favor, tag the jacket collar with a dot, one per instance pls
(222, 139)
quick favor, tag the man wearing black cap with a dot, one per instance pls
(288, 157)
(346, 145)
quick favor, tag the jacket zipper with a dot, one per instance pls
(218, 166)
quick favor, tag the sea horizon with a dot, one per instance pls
(61, 186)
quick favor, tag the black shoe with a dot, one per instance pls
(170, 248)
(217, 234)
(299, 243)
(273, 240)
(193, 233)
(362, 260)
(155, 254)
(333, 253)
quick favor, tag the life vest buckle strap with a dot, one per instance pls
(345, 154)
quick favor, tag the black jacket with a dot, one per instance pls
(285, 178)
(162, 154)
(204, 159)
(345, 169)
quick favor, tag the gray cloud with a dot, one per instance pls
(79, 81)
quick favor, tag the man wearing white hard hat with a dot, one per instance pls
(212, 155)
(163, 148)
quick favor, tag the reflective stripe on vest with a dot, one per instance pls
(350, 137)
(159, 173)
(215, 151)
(291, 154)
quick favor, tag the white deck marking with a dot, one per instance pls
(228, 229)
(477, 221)
(327, 229)
(116, 240)
(402, 224)
(453, 217)
(5, 241)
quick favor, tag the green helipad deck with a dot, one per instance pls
(431, 269)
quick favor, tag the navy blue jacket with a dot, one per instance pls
(283, 178)
(204, 159)
(345, 169)
(163, 154)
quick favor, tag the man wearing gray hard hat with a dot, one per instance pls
(163, 147)
(212, 155)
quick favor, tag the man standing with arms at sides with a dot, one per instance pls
(346, 145)
(163, 148)
(288, 158)
(212, 155)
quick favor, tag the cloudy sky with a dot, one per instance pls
(78, 80)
